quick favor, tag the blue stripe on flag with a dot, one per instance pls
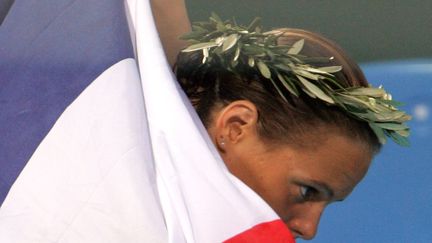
(50, 51)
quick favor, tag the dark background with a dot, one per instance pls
(368, 30)
(4, 8)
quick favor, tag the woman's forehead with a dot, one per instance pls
(337, 161)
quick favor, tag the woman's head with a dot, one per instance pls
(278, 121)
(298, 154)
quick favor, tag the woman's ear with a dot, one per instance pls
(234, 123)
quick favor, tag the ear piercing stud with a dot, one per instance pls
(222, 142)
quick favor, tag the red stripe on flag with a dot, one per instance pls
(274, 232)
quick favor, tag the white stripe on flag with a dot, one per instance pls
(92, 177)
(200, 196)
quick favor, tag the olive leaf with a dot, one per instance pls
(403, 141)
(237, 54)
(255, 23)
(191, 35)
(392, 126)
(306, 74)
(288, 85)
(315, 90)
(379, 133)
(229, 42)
(296, 47)
(216, 18)
(314, 70)
(205, 55)
(251, 61)
(403, 133)
(253, 50)
(392, 103)
(278, 89)
(200, 46)
(330, 69)
(265, 71)
(367, 91)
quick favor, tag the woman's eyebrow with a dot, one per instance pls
(324, 187)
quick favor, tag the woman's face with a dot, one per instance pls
(298, 183)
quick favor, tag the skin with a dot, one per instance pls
(297, 182)
(172, 21)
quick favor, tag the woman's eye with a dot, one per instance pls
(308, 193)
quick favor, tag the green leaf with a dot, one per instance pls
(220, 40)
(200, 46)
(221, 27)
(205, 55)
(251, 61)
(354, 109)
(392, 126)
(313, 70)
(402, 141)
(234, 63)
(270, 41)
(284, 68)
(389, 117)
(296, 47)
(229, 42)
(404, 118)
(355, 101)
(216, 18)
(335, 83)
(255, 23)
(379, 133)
(192, 35)
(392, 103)
(368, 115)
(258, 29)
(307, 74)
(315, 90)
(197, 28)
(308, 93)
(396, 116)
(404, 133)
(214, 35)
(237, 54)
(367, 91)
(265, 71)
(314, 60)
(330, 69)
(288, 85)
(253, 50)
(278, 90)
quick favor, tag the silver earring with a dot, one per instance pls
(222, 143)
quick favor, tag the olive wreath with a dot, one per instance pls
(227, 44)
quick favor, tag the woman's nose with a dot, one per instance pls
(305, 225)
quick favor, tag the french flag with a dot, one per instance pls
(99, 144)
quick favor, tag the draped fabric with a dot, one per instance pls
(98, 142)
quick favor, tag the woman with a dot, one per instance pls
(296, 147)
(299, 156)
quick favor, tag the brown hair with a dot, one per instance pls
(278, 121)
